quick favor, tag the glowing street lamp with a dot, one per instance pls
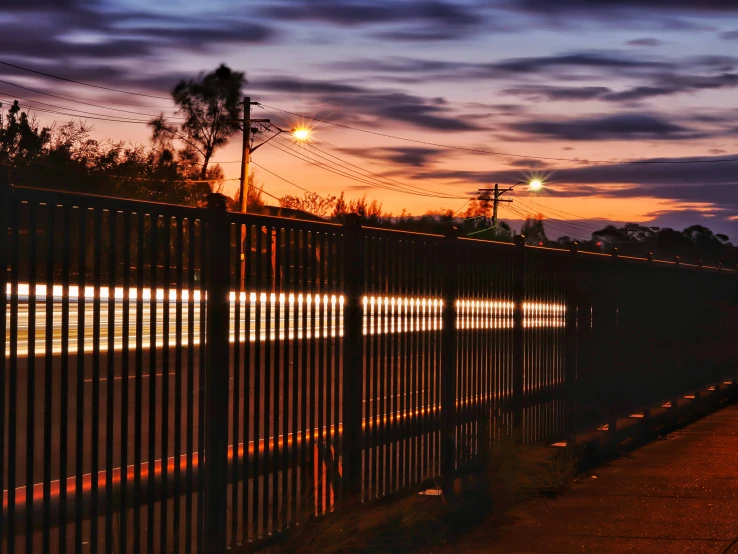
(301, 133)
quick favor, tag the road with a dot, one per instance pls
(293, 346)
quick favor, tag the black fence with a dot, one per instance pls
(341, 362)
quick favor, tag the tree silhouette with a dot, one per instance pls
(210, 107)
(310, 202)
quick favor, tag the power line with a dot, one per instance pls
(81, 82)
(527, 199)
(495, 153)
(79, 100)
(379, 175)
(399, 186)
(127, 119)
(571, 223)
(552, 225)
(553, 222)
(116, 120)
(361, 179)
(285, 180)
(556, 224)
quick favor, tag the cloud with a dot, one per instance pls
(411, 156)
(352, 103)
(295, 85)
(688, 6)
(552, 92)
(367, 12)
(419, 20)
(649, 42)
(730, 35)
(82, 32)
(607, 127)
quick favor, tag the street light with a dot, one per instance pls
(301, 134)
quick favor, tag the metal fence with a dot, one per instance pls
(341, 362)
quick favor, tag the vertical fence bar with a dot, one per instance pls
(31, 371)
(80, 420)
(216, 376)
(5, 195)
(353, 255)
(570, 345)
(125, 389)
(110, 386)
(151, 436)
(448, 361)
(48, 377)
(518, 346)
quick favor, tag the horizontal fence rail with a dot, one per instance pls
(178, 379)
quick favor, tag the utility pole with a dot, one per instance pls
(496, 192)
(245, 158)
(246, 154)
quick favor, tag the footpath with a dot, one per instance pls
(677, 494)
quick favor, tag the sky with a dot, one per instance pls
(570, 91)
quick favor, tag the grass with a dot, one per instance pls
(513, 472)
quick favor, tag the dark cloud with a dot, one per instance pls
(663, 85)
(703, 6)
(730, 35)
(649, 42)
(418, 157)
(551, 92)
(79, 33)
(352, 104)
(588, 60)
(303, 86)
(419, 20)
(367, 12)
(607, 127)
(528, 164)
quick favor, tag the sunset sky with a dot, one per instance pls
(606, 81)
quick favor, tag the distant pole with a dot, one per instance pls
(246, 155)
(496, 193)
(496, 201)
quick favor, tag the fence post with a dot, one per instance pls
(571, 345)
(614, 365)
(353, 356)
(518, 352)
(216, 375)
(448, 361)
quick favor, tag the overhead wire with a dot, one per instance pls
(79, 100)
(286, 180)
(72, 115)
(395, 185)
(559, 224)
(82, 82)
(378, 175)
(571, 223)
(551, 225)
(556, 224)
(85, 112)
(528, 199)
(333, 167)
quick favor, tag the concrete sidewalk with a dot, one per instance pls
(677, 494)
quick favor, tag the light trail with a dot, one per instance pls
(300, 317)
